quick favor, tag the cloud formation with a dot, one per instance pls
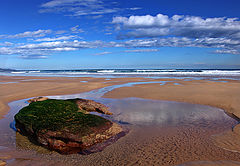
(61, 38)
(182, 31)
(82, 7)
(6, 44)
(149, 33)
(103, 53)
(233, 52)
(26, 54)
(220, 43)
(142, 50)
(27, 34)
(224, 46)
(76, 29)
(44, 49)
(178, 25)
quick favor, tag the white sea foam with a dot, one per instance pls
(35, 71)
(18, 72)
(106, 71)
(149, 70)
(72, 73)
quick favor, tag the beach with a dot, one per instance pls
(191, 144)
(105, 83)
(16, 88)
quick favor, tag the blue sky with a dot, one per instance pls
(76, 34)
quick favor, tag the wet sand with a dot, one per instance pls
(168, 133)
(16, 88)
(177, 145)
(224, 94)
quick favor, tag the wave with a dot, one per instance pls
(157, 72)
(35, 71)
(18, 72)
(148, 70)
(106, 71)
(73, 73)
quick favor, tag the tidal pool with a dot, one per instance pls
(160, 133)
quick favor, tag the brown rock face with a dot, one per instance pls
(66, 142)
(92, 106)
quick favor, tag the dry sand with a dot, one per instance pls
(158, 150)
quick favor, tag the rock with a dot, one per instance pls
(58, 125)
(83, 104)
(92, 106)
(37, 99)
(2, 163)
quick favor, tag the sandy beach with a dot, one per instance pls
(135, 83)
(16, 88)
(222, 94)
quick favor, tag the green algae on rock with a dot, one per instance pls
(62, 126)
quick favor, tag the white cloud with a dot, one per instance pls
(28, 34)
(181, 31)
(233, 52)
(33, 57)
(82, 7)
(142, 50)
(142, 21)
(57, 3)
(134, 8)
(108, 33)
(99, 12)
(6, 44)
(76, 7)
(44, 49)
(55, 38)
(103, 53)
(62, 44)
(22, 52)
(47, 48)
(177, 25)
(60, 32)
(182, 42)
(75, 29)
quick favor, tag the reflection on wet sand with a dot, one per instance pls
(161, 133)
(163, 113)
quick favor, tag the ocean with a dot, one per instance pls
(125, 72)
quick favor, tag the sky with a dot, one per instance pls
(79, 34)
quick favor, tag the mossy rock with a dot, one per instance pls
(53, 120)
